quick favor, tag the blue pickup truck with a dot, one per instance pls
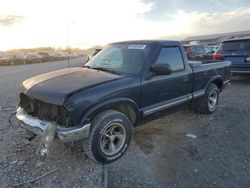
(124, 85)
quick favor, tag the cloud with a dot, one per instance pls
(85, 23)
(203, 23)
(74, 22)
(161, 6)
(207, 23)
(10, 20)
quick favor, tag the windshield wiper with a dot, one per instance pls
(87, 66)
(105, 70)
(101, 69)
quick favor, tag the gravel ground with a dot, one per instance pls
(160, 155)
(18, 162)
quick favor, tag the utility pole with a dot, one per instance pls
(68, 45)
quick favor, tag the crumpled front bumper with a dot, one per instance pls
(38, 127)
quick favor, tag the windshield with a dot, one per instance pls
(120, 58)
(235, 45)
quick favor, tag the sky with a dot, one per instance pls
(86, 23)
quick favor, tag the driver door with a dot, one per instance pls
(164, 92)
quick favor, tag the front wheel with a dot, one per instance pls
(109, 137)
(210, 101)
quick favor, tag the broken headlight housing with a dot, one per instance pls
(45, 111)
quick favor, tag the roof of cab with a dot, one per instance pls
(162, 42)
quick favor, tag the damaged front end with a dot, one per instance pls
(45, 111)
(50, 121)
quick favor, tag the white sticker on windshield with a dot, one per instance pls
(137, 46)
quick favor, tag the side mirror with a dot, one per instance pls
(161, 69)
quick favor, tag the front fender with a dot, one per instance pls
(108, 104)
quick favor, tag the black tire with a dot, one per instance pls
(205, 106)
(93, 145)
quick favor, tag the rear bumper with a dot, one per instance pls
(38, 127)
(244, 69)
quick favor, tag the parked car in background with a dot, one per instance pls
(33, 57)
(238, 52)
(18, 58)
(12, 59)
(96, 51)
(213, 48)
(59, 56)
(2, 54)
(197, 52)
(46, 56)
(6, 60)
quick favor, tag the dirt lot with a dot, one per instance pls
(160, 154)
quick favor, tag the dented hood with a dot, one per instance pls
(54, 87)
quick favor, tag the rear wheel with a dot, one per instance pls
(210, 100)
(109, 137)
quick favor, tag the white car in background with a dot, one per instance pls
(214, 48)
(33, 57)
(59, 55)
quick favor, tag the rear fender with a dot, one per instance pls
(217, 78)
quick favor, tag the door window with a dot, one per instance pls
(199, 49)
(171, 56)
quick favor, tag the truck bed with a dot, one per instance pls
(204, 71)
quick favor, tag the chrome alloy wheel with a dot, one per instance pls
(212, 99)
(113, 139)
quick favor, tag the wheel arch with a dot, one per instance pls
(124, 105)
(217, 80)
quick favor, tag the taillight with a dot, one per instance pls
(217, 56)
(248, 58)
